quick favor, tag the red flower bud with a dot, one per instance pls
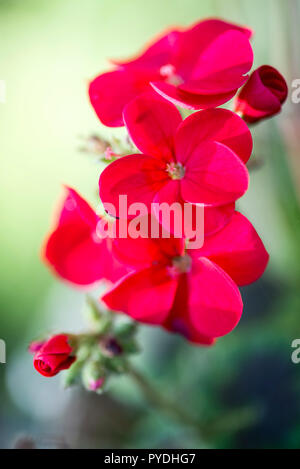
(54, 356)
(263, 95)
(110, 347)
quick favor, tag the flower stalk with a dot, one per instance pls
(231, 421)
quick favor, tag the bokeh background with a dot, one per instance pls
(49, 50)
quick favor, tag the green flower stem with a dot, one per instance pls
(155, 398)
(230, 421)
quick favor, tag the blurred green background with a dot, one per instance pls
(49, 50)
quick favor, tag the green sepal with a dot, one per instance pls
(71, 375)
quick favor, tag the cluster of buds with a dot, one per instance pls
(91, 357)
(107, 151)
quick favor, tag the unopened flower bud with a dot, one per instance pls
(262, 96)
(55, 355)
(93, 376)
(110, 347)
(96, 145)
(95, 385)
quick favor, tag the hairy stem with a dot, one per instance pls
(159, 401)
(232, 420)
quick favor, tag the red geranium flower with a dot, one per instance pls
(197, 68)
(75, 249)
(54, 356)
(191, 292)
(263, 95)
(200, 160)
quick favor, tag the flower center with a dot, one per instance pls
(181, 264)
(175, 170)
(168, 72)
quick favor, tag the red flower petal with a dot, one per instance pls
(238, 250)
(111, 91)
(214, 175)
(57, 344)
(217, 125)
(169, 193)
(172, 219)
(152, 123)
(113, 270)
(137, 176)
(145, 252)
(73, 254)
(208, 39)
(146, 296)
(74, 207)
(221, 66)
(179, 322)
(156, 55)
(215, 304)
(184, 327)
(215, 218)
(75, 251)
(190, 100)
(204, 32)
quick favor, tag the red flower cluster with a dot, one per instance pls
(197, 161)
